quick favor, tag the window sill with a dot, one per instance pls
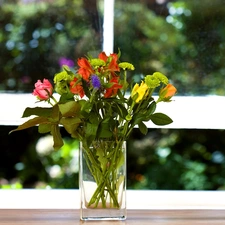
(136, 199)
(200, 112)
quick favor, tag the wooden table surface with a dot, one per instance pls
(52, 207)
(139, 217)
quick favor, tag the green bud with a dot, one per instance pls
(97, 62)
(62, 81)
(152, 81)
(126, 66)
(161, 77)
(128, 117)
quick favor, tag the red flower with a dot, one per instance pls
(103, 56)
(112, 91)
(113, 65)
(85, 69)
(76, 88)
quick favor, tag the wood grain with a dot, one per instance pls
(138, 217)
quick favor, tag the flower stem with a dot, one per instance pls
(105, 176)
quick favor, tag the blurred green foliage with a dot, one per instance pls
(36, 35)
(186, 41)
(177, 160)
(33, 163)
(187, 44)
(164, 159)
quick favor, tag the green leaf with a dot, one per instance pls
(69, 109)
(151, 108)
(55, 115)
(119, 93)
(38, 111)
(93, 118)
(66, 97)
(160, 119)
(138, 118)
(44, 128)
(85, 106)
(91, 131)
(104, 131)
(120, 160)
(143, 128)
(31, 123)
(70, 124)
(101, 158)
(120, 109)
(130, 101)
(57, 138)
(120, 181)
(144, 104)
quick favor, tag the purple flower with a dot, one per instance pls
(65, 61)
(95, 81)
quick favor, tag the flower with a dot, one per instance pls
(76, 87)
(113, 89)
(85, 68)
(61, 81)
(126, 65)
(169, 90)
(64, 61)
(94, 107)
(106, 112)
(43, 90)
(138, 93)
(167, 93)
(95, 81)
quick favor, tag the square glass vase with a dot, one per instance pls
(102, 180)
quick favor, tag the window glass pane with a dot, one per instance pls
(38, 36)
(183, 39)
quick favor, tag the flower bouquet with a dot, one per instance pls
(95, 107)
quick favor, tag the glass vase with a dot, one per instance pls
(102, 180)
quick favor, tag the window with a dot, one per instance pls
(183, 39)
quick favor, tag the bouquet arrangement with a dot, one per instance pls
(95, 105)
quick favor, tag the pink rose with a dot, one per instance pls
(44, 90)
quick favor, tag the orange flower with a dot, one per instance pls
(85, 69)
(113, 65)
(167, 93)
(170, 91)
(112, 91)
(76, 88)
(103, 56)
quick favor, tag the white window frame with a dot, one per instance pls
(187, 112)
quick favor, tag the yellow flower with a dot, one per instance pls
(134, 91)
(138, 92)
